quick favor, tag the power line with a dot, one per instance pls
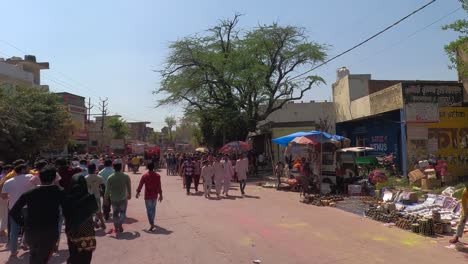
(57, 80)
(411, 35)
(365, 41)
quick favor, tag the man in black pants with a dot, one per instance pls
(41, 224)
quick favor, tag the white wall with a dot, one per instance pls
(304, 112)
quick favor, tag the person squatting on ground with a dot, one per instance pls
(118, 191)
(207, 175)
(153, 192)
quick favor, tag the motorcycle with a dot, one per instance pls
(388, 163)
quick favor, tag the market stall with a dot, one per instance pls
(318, 153)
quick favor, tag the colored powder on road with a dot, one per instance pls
(379, 238)
(294, 225)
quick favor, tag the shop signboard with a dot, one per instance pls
(447, 139)
(444, 95)
(419, 132)
(422, 112)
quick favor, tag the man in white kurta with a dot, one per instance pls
(218, 171)
(228, 173)
(242, 167)
(207, 175)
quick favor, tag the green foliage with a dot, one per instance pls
(170, 122)
(460, 45)
(246, 74)
(118, 126)
(32, 120)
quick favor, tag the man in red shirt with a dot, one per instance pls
(153, 191)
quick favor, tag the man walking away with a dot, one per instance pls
(95, 185)
(153, 192)
(218, 172)
(13, 189)
(105, 174)
(242, 167)
(43, 209)
(207, 175)
(196, 173)
(462, 222)
(118, 191)
(228, 173)
(188, 170)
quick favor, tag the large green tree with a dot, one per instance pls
(460, 45)
(118, 126)
(170, 123)
(243, 73)
(32, 120)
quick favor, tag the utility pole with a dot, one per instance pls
(103, 108)
(88, 121)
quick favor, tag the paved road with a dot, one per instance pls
(267, 225)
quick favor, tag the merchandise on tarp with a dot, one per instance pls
(377, 176)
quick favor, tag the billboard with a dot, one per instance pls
(422, 112)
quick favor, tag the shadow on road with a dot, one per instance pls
(232, 197)
(127, 236)
(160, 231)
(130, 220)
(251, 196)
(59, 258)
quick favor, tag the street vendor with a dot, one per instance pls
(462, 223)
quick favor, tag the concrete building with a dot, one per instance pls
(75, 105)
(406, 118)
(17, 71)
(292, 117)
(138, 131)
(100, 136)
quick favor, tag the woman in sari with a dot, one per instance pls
(79, 225)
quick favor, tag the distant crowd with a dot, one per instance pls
(216, 171)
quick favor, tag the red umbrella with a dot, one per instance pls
(311, 140)
(235, 147)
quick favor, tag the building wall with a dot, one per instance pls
(349, 95)
(446, 139)
(388, 99)
(11, 74)
(304, 112)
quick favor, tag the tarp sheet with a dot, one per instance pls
(284, 140)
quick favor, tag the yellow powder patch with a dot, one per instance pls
(294, 225)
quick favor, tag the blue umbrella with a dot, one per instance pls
(284, 140)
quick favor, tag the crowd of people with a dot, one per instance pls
(76, 194)
(214, 171)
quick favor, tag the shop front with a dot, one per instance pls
(446, 139)
(381, 132)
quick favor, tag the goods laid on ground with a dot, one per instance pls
(322, 200)
(436, 215)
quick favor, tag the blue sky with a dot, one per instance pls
(110, 48)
